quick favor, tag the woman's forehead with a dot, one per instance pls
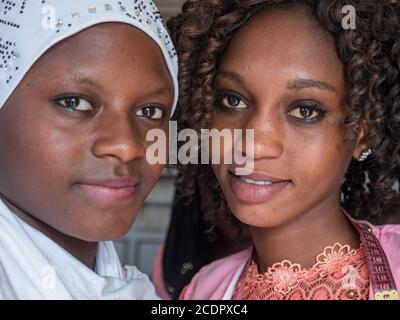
(113, 40)
(279, 40)
(287, 30)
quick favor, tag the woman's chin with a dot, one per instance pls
(108, 232)
(266, 215)
(266, 221)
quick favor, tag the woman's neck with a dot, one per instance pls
(303, 238)
(82, 250)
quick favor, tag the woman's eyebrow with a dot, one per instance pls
(295, 84)
(78, 77)
(158, 92)
(298, 84)
(232, 76)
(83, 79)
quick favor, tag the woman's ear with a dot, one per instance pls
(361, 145)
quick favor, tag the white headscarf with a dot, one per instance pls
(28, 28)
(32, 266)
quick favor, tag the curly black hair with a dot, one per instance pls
(371, 57)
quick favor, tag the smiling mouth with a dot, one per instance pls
(256, 188)
(256, 182)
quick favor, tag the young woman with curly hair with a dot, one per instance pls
(324, 102)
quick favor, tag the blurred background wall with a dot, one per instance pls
(169, 8)
(140, 245)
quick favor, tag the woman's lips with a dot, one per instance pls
(256, 188)
(110, 190)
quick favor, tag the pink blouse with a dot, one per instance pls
(339, 273)
(218, 280)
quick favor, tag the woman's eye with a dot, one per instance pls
(233, 102)
(75, 104)
(306, 112)
(153, 113)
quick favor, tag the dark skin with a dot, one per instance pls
(77, 121)
(280, 76)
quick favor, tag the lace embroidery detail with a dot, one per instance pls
(339, 273)
(284, 276)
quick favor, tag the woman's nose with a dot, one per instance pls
(119, 136)
(268, 137)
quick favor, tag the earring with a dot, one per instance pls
(365, 155)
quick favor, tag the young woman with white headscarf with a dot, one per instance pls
(81, 83)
